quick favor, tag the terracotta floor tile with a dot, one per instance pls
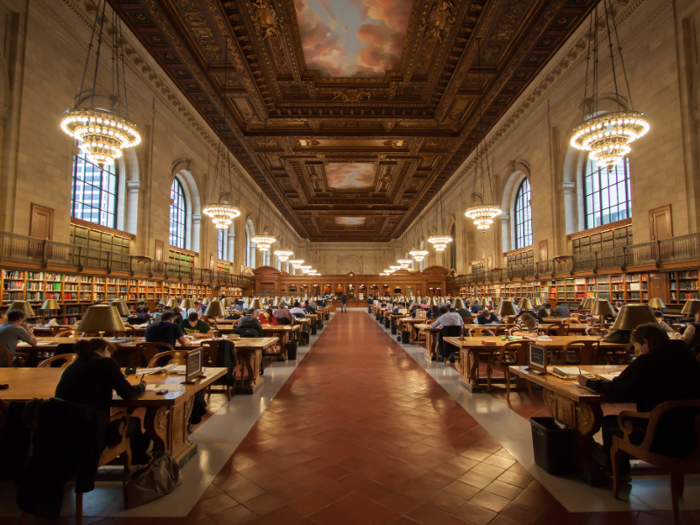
(490, 501)
(332, 515)
(375, 491)
(400, 503)
(217, 504)
(446, 501)
(238, 515)
(309, 503)
(263, 505)
(515, 479)
(354, 503)
(504, 489)
(474, 514)
(379, 515)
(283, 516)
(427, 515)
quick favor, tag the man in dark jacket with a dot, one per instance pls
(250, 321)
(343, 303)
(665, 370)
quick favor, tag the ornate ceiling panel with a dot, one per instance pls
(352, 158)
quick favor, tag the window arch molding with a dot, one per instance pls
(193, 217)
(249, 254)
(520, 171)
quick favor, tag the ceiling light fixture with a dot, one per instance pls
(103, 134)
(607, 136)
(482, 213)
(283, 255)
(418, 255)
(405, 263)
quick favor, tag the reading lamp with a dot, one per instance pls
(100, 319)
(172, 303)
(525, 304)
(459, 304)
(633, 315)
(256, 304)
(214, 309)
(187, 304)
(656, 303)
(22, 306)
(121, 308)
(603, 308)
(50, 304)
(507, 308)
(690, 308)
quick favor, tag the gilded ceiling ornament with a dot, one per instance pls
(306, 143)
(351, 95)
(440, 20)
(265, 18)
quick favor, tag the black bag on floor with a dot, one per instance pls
(292, 350)
(404, 337)
(314, 329)
(304, 338)
(369, 309)
(387, 323)
(394, 329)
(320, 324)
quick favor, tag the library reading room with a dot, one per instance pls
(350, 262)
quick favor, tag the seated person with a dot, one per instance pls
(177, 315)
(283, 315)
(91, 379)
(544, 311)
(312, 304)
(297, 311)
(14, 331)
(487, 317)
(465, 313)
(526, 324)
(532, 313)
(447, 318)
(665, 370)
(397, 307)
(561, 311)
(144, 315)
(165, 331)
(194, 326)
(308, 308)
(476, 308)
(691, 335)
(662, 324)
(266, 317)
(249, 325)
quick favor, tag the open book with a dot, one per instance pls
(157, 370)
(570, 371)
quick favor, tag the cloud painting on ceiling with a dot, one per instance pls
(350, 175)
(350, 221)
(352, 38)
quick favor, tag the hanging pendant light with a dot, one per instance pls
(607, 136)
(405, 263)
(222, 213)
(103, 134)
(264, 241)
(440, 240)
(296, 263)
(283, 255)
(418, 255)
(482, 213)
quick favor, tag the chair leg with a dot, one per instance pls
(78, 508)
(488, 378)
(529, 388)
(676, 492)
(126, 455)
(615, 457)
(507, 374)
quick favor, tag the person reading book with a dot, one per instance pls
(665, 370)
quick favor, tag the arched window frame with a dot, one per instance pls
(523, 215)
(221, 243)
(607, 194)
(249, 255)
(453, 248)
(103, 210)
(178, 215)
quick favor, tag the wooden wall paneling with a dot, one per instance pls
(543, 250)
(41, 222)
(658, 286)
(660, 223)
(159, 250)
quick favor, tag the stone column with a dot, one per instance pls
(132, 206)
(570, 206)
(196, 226)
(230, 248)
(505, 233)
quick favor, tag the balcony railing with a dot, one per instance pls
(18, 248)
(658, 253)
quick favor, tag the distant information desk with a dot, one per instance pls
(167, 415)
(473, 351)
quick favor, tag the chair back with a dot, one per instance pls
(621, 357)
(65, 333)
(514, 353)
(559, 329)
(450, 331)
(571, 320)
(669, 421)
(177, 357)
(249, 331)
(210, 349)
(593, 330)
(582, 352)
(67, 358)
(8, 356)
(478, 332)
(148, 350)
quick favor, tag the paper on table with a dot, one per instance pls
(610, 376)
(168, 386)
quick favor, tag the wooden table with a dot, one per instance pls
(472, 350)
(577, 407)
(431, 339)
(249, 351)
(167, 416)
(578, 328)
(286, 333)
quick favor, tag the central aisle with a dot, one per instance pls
(361, 434)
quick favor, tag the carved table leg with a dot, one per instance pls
(470, 370)
(158, 427)
(251, 359)
(586, 420)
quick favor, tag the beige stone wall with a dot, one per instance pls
(43, 51)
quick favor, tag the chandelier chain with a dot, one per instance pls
(622, 63)
(612, 54)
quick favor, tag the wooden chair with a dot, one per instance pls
(621, 357)
(678, 467)
(65, 333)
(514, 353)
(148, 350)
(177, 357)
(211, 353)
(571, 320)
(593, 330)
(479, 332)
(9, 357)
(558, 329)
(581, 352)
(68, 358)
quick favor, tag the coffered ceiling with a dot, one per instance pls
(352, 114)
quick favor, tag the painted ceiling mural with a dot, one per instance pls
(350, 175)
(350, 221)
(352, 38)
(351, 109)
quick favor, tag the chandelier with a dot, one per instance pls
(440, 242)
(394, 268)
(305, 269)
(263, 242)
(607, 136)
(103, 134)
(283, 255)
(296, 263)
(418, 255)
(222, 214)
(312, 272)
(405, 263)
(482, 213)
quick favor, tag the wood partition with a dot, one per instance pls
(431, 281)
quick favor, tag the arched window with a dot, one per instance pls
(608, 197)
(221, 244)
(247, 248)
(178, 213)
(523, 216)
(94, 192)
(453, 248)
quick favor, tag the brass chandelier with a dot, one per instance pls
(283, 255)
(103, 134)
(607, 136)
(439, 240)
(482, 213)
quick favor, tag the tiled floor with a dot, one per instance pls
(360, 433)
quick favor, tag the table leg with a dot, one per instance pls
(585, 419)
(470, 370)
(251, 359)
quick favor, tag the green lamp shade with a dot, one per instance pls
(633, 315)
(101, 318)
